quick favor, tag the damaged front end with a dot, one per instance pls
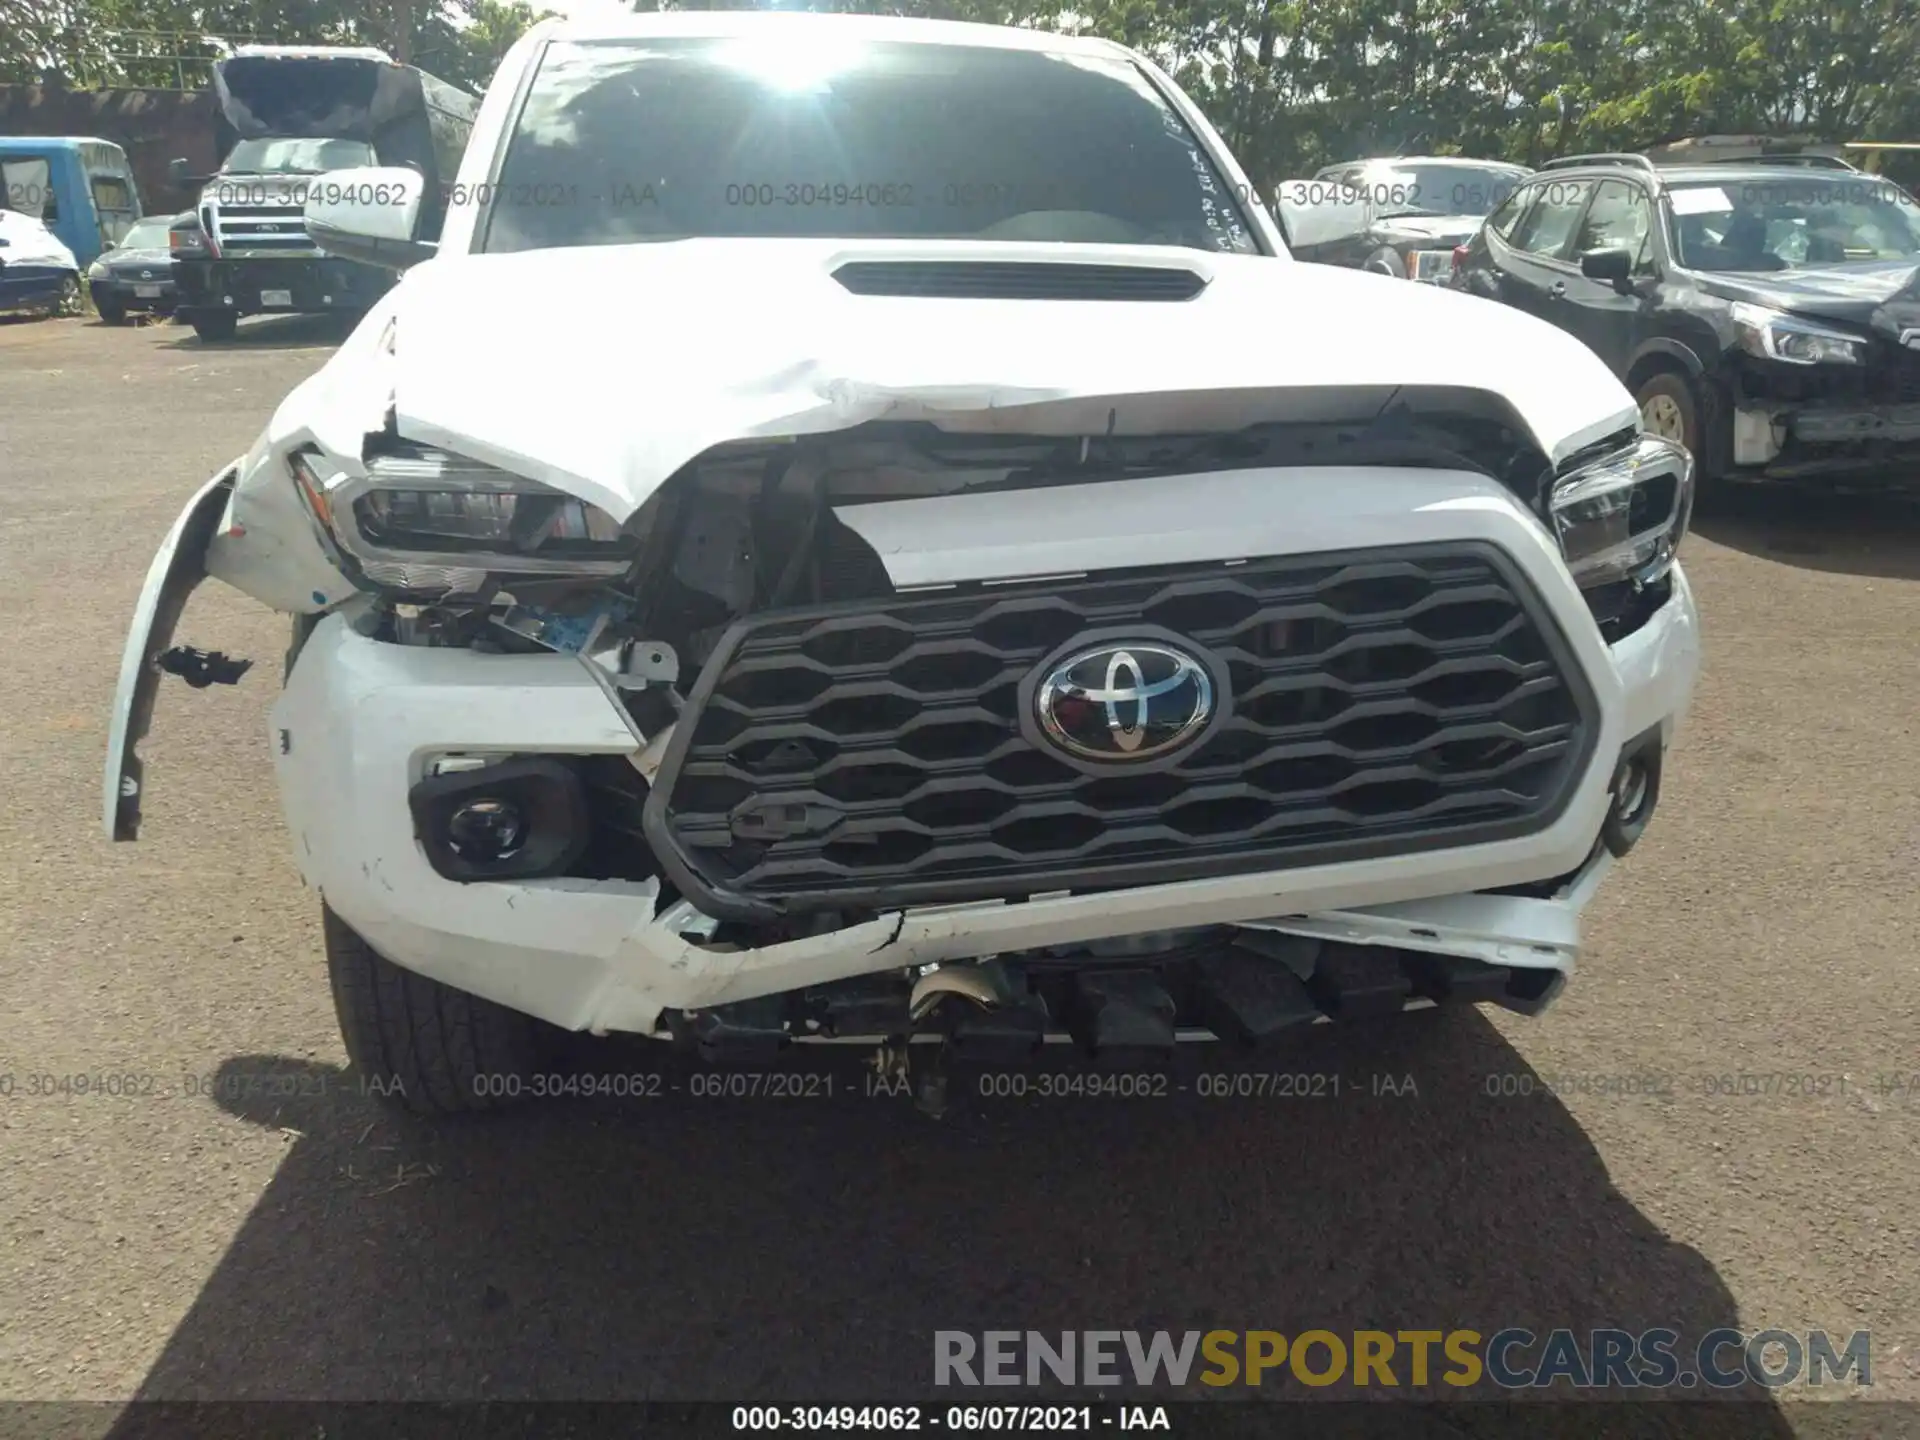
(757, 761)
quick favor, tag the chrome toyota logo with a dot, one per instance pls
(1124, 702)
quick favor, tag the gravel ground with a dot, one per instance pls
(293, 1240)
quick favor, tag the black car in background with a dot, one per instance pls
(136, 274)
(1766, 315)
(1400, 217)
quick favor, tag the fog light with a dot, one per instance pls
(516, 818)
(1635, 787)
(1635, 792)
(486, 831)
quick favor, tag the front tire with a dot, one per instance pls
(112, 312)
(213, 324)
(1668, 408)
(419, 1044)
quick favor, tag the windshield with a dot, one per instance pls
(297, 157)
(145, 235)
(1768, 223)
(1438, 189)
(625, 141)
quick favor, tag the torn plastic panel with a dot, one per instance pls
(177, 570)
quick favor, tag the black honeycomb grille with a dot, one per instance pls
(872, 754)
(1896, 381)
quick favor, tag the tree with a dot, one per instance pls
(1292, 84)
(171, 43)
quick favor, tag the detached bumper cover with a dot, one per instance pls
(177, 569)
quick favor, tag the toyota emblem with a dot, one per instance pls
(1125, 702)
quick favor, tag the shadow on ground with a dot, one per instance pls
(1875, 535)
(689, 1248)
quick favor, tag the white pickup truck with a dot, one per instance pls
(858, 531)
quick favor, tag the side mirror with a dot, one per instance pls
(1612, 266)
(370, 214)
(180, 171)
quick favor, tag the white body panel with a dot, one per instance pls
(360, 720)
(31, 244)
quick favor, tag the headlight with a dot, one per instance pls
(1775, 335)
(1433, 266)
(190, 241)
(423, 518)
(96, 271)
(1622, 516)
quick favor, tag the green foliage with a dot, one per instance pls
(1292, 85)
(168, 43)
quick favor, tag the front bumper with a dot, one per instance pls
(1857, 443)
(255, 285)
(361, 721)
(1844, 423)
(127, 293)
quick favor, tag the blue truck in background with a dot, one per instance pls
(79, 187)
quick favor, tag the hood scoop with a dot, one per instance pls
(1017, 280)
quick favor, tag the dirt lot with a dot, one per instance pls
(185, 1241)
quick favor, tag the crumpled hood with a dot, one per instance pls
(603, 370)
(1838, 292)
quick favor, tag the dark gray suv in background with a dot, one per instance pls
(1765, 315)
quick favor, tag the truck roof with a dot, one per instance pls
(1464, 161)
(740, 24)
(54, 143)
(315, 52)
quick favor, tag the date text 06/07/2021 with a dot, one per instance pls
(904, 1419)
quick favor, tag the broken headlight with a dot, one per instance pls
(423, 511)
(1621, 517)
